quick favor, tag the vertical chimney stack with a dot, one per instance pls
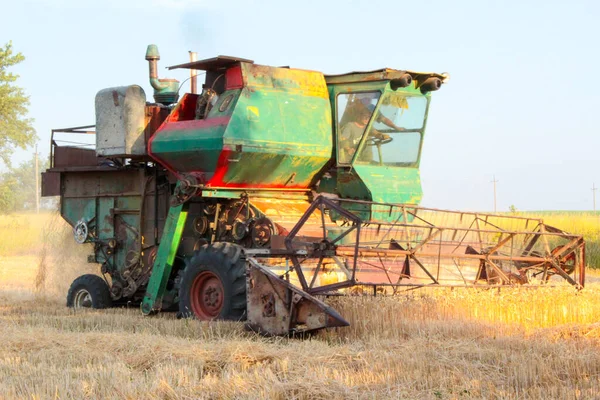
(193, 73)
(165, 90)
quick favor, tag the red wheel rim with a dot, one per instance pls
(207, 295)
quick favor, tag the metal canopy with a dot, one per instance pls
(211, 64)
(384, 71)
(378, 75)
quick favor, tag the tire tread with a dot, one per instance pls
(97, 288)
(228, 257)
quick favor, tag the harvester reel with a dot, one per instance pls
(568, 263)
(81, 231)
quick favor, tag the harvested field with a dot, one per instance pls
(424, 344)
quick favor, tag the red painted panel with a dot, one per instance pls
(221, 170)
(233, 78)
(186, 109)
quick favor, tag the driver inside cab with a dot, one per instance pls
(353, 130)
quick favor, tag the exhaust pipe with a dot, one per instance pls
(165, 90)
(193, 73)
(152, 56)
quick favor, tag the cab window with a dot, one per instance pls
(395, 136)
(354, 110)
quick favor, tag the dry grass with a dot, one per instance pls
(20, 233)
(422, 346)
(436, 344)
(38, 253)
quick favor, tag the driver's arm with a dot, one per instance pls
(388, 122)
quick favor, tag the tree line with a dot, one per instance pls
(17, 183)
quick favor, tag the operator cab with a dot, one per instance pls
(380, 116)
(379, 120)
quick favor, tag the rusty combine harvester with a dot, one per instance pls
(274, 185)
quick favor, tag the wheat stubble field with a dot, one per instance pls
(434, 344)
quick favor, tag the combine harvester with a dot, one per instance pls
(274, 185)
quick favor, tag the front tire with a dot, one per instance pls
(89, 291)
(213, 284)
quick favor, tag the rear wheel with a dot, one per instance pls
(89, 291)
(213, 284)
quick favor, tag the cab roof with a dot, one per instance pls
(384, 74)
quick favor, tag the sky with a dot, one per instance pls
(520, 105)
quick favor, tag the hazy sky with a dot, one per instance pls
(521, 103)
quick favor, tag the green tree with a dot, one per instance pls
(8, 190)
(15, 127)
(17, 188)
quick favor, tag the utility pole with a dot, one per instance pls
(494, 182)
(594, 188)
(37, 183)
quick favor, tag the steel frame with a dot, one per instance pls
(399, 242)
(77, 129)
